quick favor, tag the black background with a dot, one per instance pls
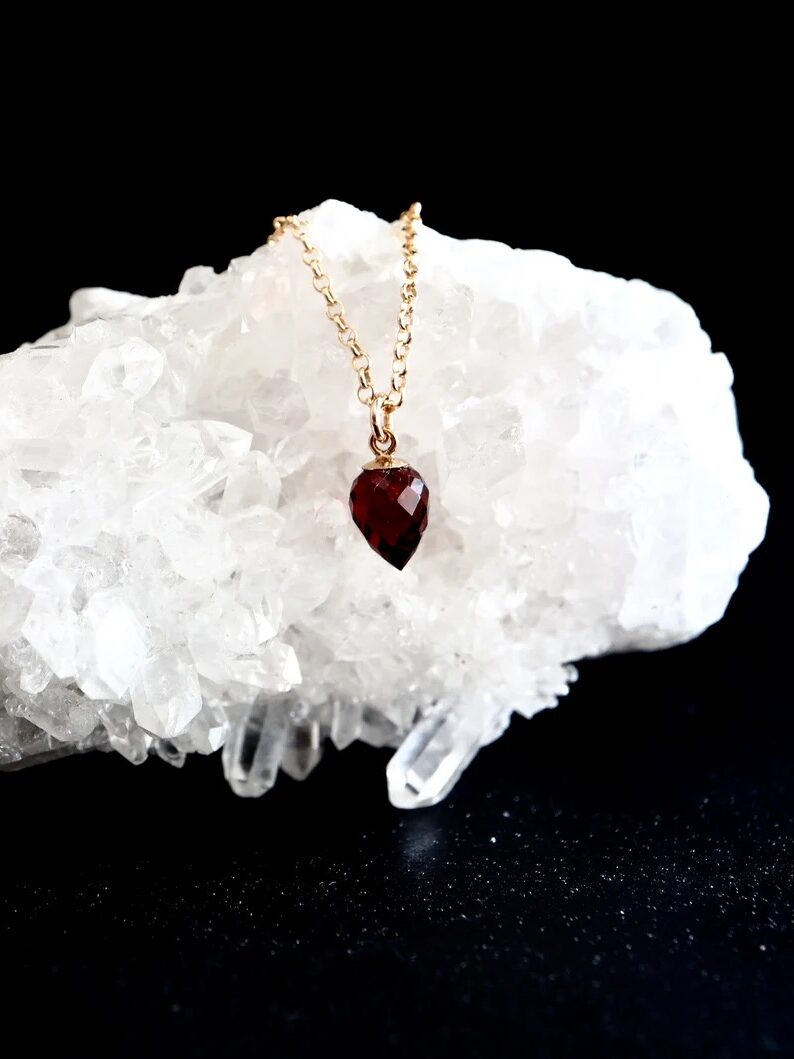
(612, 878)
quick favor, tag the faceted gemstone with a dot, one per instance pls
(389, 506)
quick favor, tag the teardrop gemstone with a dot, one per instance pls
(389, 506)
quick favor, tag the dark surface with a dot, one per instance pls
(611, 879)
(614, 876)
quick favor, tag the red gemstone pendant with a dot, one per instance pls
(389, 505)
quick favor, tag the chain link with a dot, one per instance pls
(381, 405)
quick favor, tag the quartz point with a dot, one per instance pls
(433, 755)
(303, 748)
(166, 695)
(252, 754)
(178, 570)
(124, 735)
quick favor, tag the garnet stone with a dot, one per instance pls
(389, 506)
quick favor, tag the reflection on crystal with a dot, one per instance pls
(254, 483)
(346, 719)
(58, 711)
(51, 627)
(19, 541)
(252, 754)
(168, 751)
(131, 367)
(206, 733)
(112, 646)
(87, 569)
(377, 729)
(23, 743)
(166, 695)
(15, 603)
(124, 735)
(178, 569)
(303, 747)
(430, 759)
(30, 672)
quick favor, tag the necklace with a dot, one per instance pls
(389, 499)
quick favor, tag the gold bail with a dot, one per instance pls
(383, 440)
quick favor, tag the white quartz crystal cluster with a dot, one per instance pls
(178, 567)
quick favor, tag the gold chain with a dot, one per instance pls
(381, 406)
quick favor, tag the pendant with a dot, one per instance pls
(388, 502)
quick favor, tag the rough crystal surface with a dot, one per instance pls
(178, 568)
